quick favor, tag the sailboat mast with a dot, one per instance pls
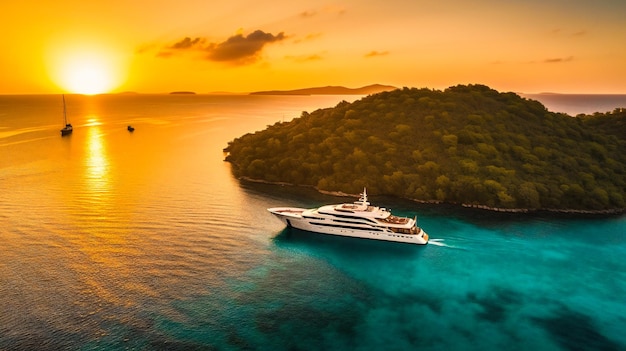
(64, 110)
(67, 129)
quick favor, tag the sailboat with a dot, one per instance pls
(68, 127)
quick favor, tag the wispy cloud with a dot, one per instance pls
(146, 48)
(237, 49)
(559, 31)
(375, 53)
(559, 59)
(332, 10)
(187, 43)
(308, 14)
(550, 60)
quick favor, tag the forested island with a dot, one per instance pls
(468, 144)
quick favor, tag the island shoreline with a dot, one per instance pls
(593, 213)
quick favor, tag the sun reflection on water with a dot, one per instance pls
(93, 122)
(96, 161)
(107, 251)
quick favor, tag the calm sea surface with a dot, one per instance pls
(574, 104)
(111, 240)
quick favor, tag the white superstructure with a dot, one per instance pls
(358, 219)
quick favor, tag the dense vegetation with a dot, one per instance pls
(466, 144)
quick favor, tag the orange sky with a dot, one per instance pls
(156, 46)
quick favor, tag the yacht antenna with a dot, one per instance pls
(363, 199)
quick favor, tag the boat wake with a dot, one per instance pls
(439, 242)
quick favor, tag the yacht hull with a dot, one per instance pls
(293, 217)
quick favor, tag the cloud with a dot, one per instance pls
(376, 53)
(559, 59)
(307, 14)
(145, 48)
(239, 49)
(580, 33)
(332, 10)
(187, 43)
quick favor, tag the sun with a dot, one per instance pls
(88, 74)
(86, 70)
(88, 78)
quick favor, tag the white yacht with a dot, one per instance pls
(358, 219)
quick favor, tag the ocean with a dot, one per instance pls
(574, 104)
(112, 240)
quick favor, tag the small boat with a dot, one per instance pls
(130, 128)
(68, 127)
(358, 220)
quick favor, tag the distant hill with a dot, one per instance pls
(330, 90)
(182, 93)
(467, 145)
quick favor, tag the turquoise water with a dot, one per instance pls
(541, 284)
(114, 241)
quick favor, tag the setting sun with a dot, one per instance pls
(87, 75)
(87, 78)
(86, 71)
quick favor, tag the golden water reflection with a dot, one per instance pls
(97, 163)
(92, 121)
(105, 253)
